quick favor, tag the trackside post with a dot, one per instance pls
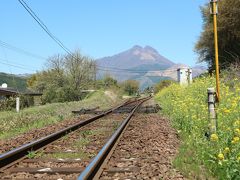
(211, 110)
(17, 104)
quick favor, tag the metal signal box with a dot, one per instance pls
(184, 76)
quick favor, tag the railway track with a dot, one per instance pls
(42, 158)
(142, 148)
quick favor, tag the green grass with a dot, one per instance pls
(34, 154)
(12, 123)
(84, 139)
(78, 155)
(81, 143)
(78, 145)
(202, 156)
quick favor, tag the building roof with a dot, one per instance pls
(8, 91)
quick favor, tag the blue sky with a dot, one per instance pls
(98, 29)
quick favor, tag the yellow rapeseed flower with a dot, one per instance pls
(214, 137)
(237, 131)
(235, 140)
(238, 158)
(237, 123)
(226, 111)
(220, 156)
(226, 150)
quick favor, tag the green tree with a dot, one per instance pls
(81, 70)
(131, 86)
(64, 78)
(228, 31)
(108, 81)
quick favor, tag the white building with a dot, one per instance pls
(184, 76)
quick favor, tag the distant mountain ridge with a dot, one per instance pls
(144, 64)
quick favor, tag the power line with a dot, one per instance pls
(19, 50)
(10, 69)
(43, 26)
(134, 71)
(129, 69)
(102, 68)
(14, 65)
(145, 75)
(54, 38)
(17, 64)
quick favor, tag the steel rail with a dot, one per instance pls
(92, 169)
(10, 157)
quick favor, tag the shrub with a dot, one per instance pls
(131, 87)
(7, 104)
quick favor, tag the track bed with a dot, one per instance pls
(145, 151)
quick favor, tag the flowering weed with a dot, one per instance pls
(217, 155)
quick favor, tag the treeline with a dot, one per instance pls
(128, 87)
(66, 77)
(228, 35)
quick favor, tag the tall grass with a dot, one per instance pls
(201, 155)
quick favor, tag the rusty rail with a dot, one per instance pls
(95, 165)
(8, 158)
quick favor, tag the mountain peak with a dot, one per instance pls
(145, 54)
(149, 48)
(136, 47)
(144, 64)
(135, 57)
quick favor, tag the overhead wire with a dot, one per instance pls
(99, 67)
(5, 61)
(103, 68)
(10, 69)
(122, 69)
(146, 74)
(43, 26)
(135, 71)
(60, 43)
(19, 50)
(17, 66)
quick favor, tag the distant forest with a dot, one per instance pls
(13, 81)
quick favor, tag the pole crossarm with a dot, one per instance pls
(214, 7)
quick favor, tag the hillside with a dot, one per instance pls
(14, 81)
(172, 71)
(134, 63)
(136, 57)
(144, 64)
